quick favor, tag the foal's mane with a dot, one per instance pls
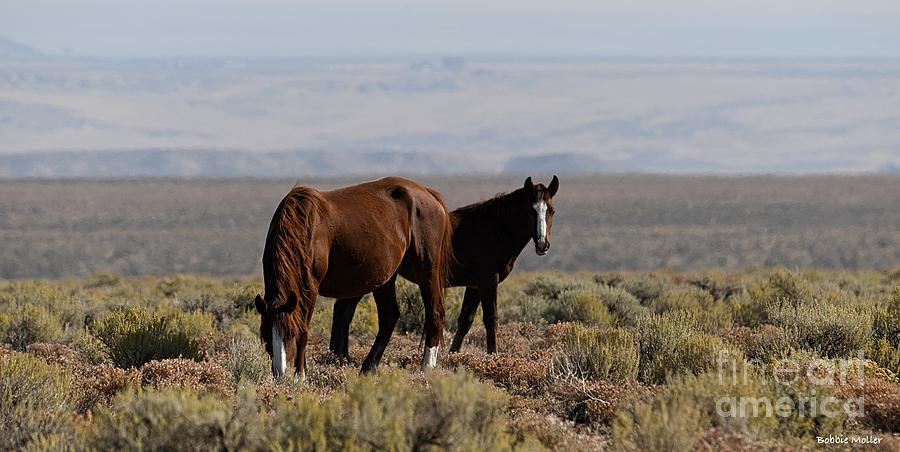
(501, 205)
(287, 258)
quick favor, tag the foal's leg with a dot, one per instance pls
(344, 309)
(487, 291)
(466, 317)
(388, 314)
(433, 297)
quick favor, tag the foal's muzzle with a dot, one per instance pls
(541, 248)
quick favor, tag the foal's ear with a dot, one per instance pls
(554, 185)
(291, 303)
(528, 185)
(260, 304)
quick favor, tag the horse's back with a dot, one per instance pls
(372, 226)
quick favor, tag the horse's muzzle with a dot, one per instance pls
(542, 248)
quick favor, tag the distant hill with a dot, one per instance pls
(207, 163)
(10, 49)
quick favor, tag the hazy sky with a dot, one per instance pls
(380, 28)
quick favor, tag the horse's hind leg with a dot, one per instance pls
(388, 314)
(466, 317)
(344, 309)
(434, 323)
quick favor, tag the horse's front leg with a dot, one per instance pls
(344, 309)
(433, 297)
(487, 291)
(466, 317)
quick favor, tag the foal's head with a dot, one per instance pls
(540, 212)
(277, 330)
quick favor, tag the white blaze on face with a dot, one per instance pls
(541, 209)
(429, 361)
(279, 357)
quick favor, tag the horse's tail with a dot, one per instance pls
(289, 252)
(445, 258)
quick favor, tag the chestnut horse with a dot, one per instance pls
(345, 243)
(487, 238)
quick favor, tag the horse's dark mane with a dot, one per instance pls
(282, 258)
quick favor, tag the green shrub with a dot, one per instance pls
(135, 336)
(643, 286)
(515, 307)
(711, 316)
(661, 425)
(748, 311)
(412, 311)
(246, 359)
(576, 305)
(594, 353)
(886, 320)
(621, 304)
(831, 330)
(30, 325)
(390, 412)
(762, 344)
(175, 420)
(884, 353)
(35, 400)
(671, 344)
(735, 399)
(549, 286)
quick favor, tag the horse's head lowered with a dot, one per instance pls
(540, 213)
(276, 329)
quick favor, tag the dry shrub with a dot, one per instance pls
(55, 353)
(518, 375)
(187, 374)
(596, 353)
(97, 385)
(881, 401)
(516, 339)
(538, 431)
(36, 400)
(716, 439)
(720, 286)
(598, 402)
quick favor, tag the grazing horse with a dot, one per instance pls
(345, 243)
(487, 238)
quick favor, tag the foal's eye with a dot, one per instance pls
(551, 211)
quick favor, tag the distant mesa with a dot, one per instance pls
(10, 50)
(890, 168)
